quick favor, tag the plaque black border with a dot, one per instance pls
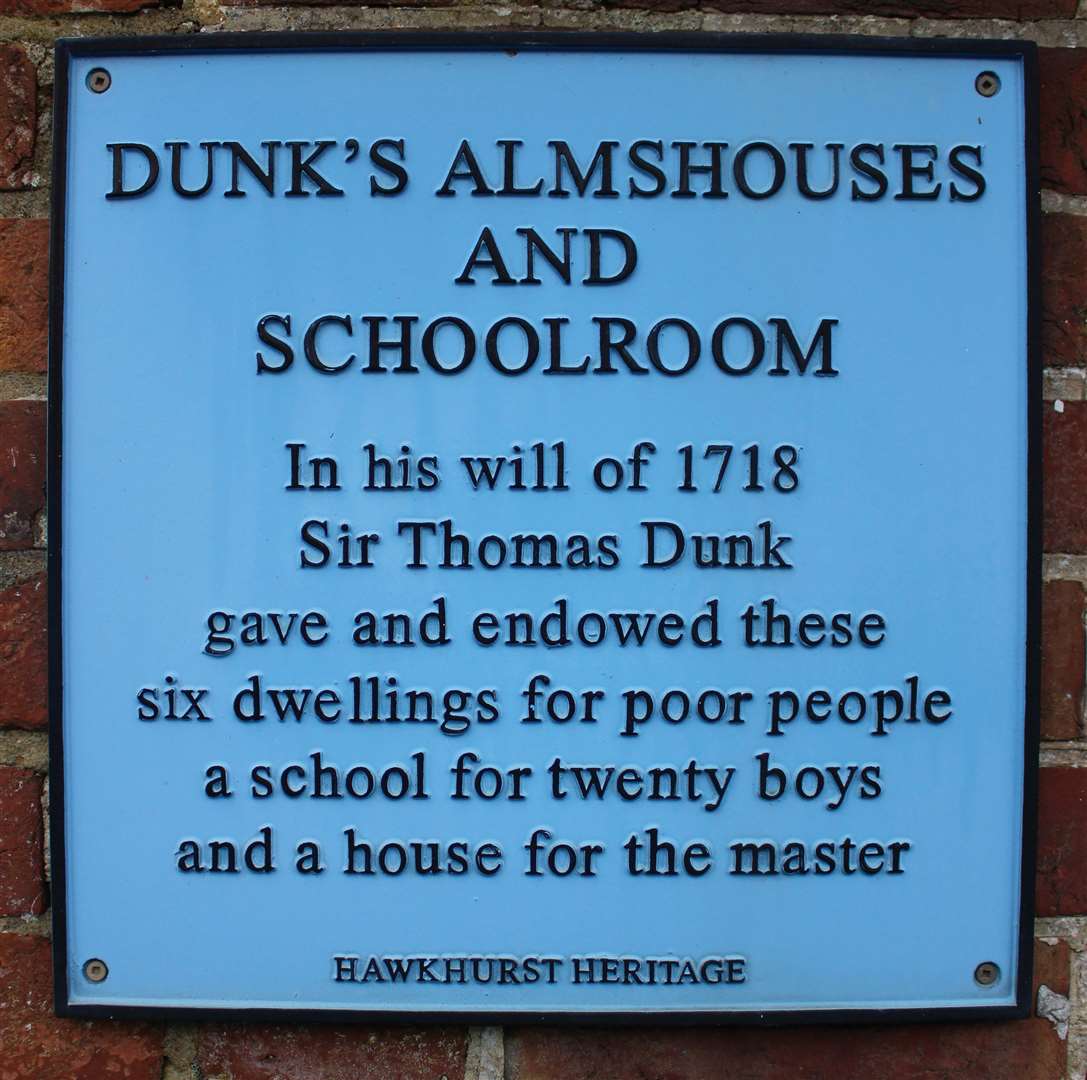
(476, 41)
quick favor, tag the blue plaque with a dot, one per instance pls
(542, 527)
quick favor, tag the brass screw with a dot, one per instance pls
(95, 971)
(987, 84)
(98, 80)
(986, 974)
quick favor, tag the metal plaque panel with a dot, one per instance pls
(542, 527)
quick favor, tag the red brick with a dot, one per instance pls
(1064, 462)
(936, 9)
(22, 876)
(24, 665)
(22, 471)
(1018, 1050)
(267, 1052)
(18, 116)
(1063, 649)
(1063, 119)
(35, 1045)
(1062, 842)
(1052, 967)
(24, 294)
(1064, 290)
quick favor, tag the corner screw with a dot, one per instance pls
(98, 80)
(986, 974)
(95, 971)
(987, 84)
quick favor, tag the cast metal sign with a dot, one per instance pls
(540, 527)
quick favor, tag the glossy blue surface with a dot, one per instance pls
(912, 504)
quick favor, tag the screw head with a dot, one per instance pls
(95, 971)
(986, 973)
(98, 80)
(987, 84)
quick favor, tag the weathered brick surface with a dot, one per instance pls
(1063, 136)
(62, 7)
(348, 3)
(935, 9)
(35, 1045)
(23, 655)
(1063, 648)
(24, 294)
(286, 1052)
(18, 116)
(1052, 966)
(1064, 454)
(1064, 290)
(22, 878)
(1062, 842)
(1022, 1050)
(22, 471)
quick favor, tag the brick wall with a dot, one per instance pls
(36, 1046)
